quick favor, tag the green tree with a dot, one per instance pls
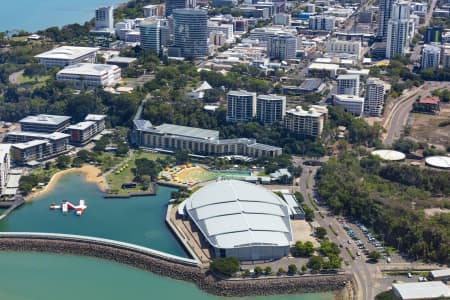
(122, 149)
(303, 249)
(315, 262)
(321, 232)
(227, 266)
(292, 269)
(62, 162)
(374, 256)
(182, 156)
(268, 270)
(258, 270)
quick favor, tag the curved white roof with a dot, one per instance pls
(389, 154)
(233, 214)
(438, 161)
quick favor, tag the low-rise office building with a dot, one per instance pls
(348, 84)
(338, 46)
(306, 123)
(84, 75)
(45, 123)
(67, 55)
(350, 103)
(169, 137)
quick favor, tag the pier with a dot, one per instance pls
(10, 205)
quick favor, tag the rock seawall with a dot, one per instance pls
(180, 271)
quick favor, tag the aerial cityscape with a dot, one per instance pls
(257, 149)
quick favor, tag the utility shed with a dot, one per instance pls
(421, 290)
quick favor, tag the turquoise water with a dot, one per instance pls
(33, 15)
(73, 278)
(137, 220)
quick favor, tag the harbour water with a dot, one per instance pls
(32, 15)
(136, 220)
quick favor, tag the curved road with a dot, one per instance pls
(398, 116)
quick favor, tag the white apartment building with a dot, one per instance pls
(398, 30)
(431, 56)
(151, 10)
(90, 75)
(306, 123)
(374, 98)
(326, 23)
(350, 103)
(104, 19)
(264, 33)
(339, 46)
(282, 47)
(281, 19)
(270, 108)
(241, 106)
(217, 38)
(446, 58)
(150, 35)
(227, 29)
(348, 84)
(4, 166)
(67, 55)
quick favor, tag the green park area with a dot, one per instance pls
(126, 172)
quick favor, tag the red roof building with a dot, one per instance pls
(428, 105)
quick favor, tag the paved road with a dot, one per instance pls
(138, 114)
(398, 116)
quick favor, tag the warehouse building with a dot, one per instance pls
(421, 290)
(242, 220)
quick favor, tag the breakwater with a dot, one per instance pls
(169, 265)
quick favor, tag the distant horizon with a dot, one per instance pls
(48, 13)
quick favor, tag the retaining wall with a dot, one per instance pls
(172, 267)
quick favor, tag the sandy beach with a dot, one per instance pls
(90, 173)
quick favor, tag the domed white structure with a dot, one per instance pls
(241, 219)
(390, 155)
(442, 162)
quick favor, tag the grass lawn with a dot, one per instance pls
(38, 80)
(115, 179)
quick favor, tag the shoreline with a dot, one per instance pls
(90, 174)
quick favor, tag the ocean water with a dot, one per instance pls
(136, 220)
(73, 278)
(32, 15)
